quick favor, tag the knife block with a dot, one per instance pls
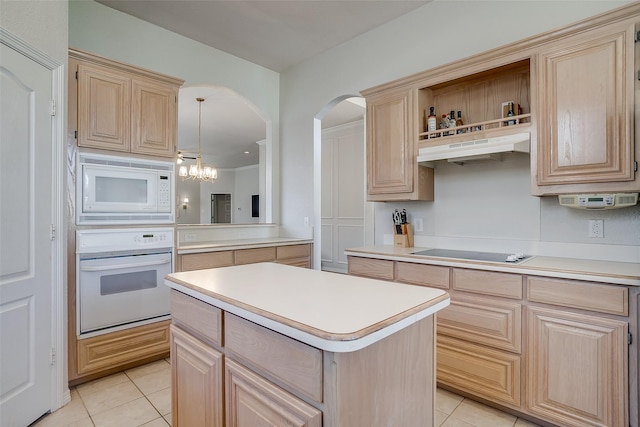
(404, 240)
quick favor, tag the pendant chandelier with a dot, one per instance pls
(197, 171)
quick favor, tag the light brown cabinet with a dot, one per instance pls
(555, 349)
(585, 89)
(392, 170)
(577, 369)
(124, 108)
(297, 255)
(196, 382)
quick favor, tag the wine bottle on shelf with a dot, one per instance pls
(459, 122)
(510, 113)
(452, 120)
(431, 120)
(444, 124)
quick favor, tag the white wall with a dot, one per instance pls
(438, 33)
(105, 31)
(43, 24)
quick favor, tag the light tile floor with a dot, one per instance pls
(142, 397)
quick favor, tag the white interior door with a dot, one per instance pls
(25, 243)
(343, 194)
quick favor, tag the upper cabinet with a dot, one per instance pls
(123, 108)
(585, 87)
(392, 171)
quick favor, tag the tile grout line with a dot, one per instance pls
(145, 396)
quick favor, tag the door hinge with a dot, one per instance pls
(75, 134)
(629, 338)
(53, 107)
(637, 37)
(52, 356)
(76, 75)
(52, 232)
(635, 166)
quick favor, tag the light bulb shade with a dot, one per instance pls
(193, 170)
(183, 171)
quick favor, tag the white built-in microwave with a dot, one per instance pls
(122, 190)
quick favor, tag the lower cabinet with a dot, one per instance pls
(577, 370)
(196, 382)
(486, 373)
(554, 349)
(108, 353)
(253, 401)
(298, 255)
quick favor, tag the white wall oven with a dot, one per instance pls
(120, 278)
(124, 190)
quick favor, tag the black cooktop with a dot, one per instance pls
(474, 255)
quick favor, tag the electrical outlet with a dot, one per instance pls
(596, 228)
(417, 224)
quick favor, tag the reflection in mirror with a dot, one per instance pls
(220, 208)
(234, 140)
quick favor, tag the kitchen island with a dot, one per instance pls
(271, 344)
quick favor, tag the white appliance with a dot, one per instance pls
(476, 149)
(123, 190)
(598, 201)
(120, 278)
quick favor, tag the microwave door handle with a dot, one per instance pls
(120, 266)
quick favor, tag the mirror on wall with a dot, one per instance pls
(230, 135)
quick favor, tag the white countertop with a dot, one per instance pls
(330, 311)
(621, 273)
(233, 244)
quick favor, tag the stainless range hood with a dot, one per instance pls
(476, 149)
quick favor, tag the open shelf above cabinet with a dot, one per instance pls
(481, 97)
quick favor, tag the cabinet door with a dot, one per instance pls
(104, 110)
(585, 132)
(153, 113)
(577, 370)
(252, 401)
(196, 382)
(390, 144)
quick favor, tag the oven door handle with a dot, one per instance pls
(121, 266)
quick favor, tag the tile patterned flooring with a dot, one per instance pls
(142, 397)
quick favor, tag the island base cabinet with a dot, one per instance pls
(196, 382)
(252, 401)
(577, 371)
(389, 383)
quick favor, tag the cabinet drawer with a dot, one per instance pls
(253, 401)
(368, 267)
(422, 274)
(296, 262)
(482, 321)
(119, 348)
(488, 283)
(293, 251)
(582, 295)
(205, 260)
(250, 256)
(295, 364)
(489, 374)
(199, 318)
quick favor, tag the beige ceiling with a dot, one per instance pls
(274, 34)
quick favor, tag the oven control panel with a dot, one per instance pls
(124, 239)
